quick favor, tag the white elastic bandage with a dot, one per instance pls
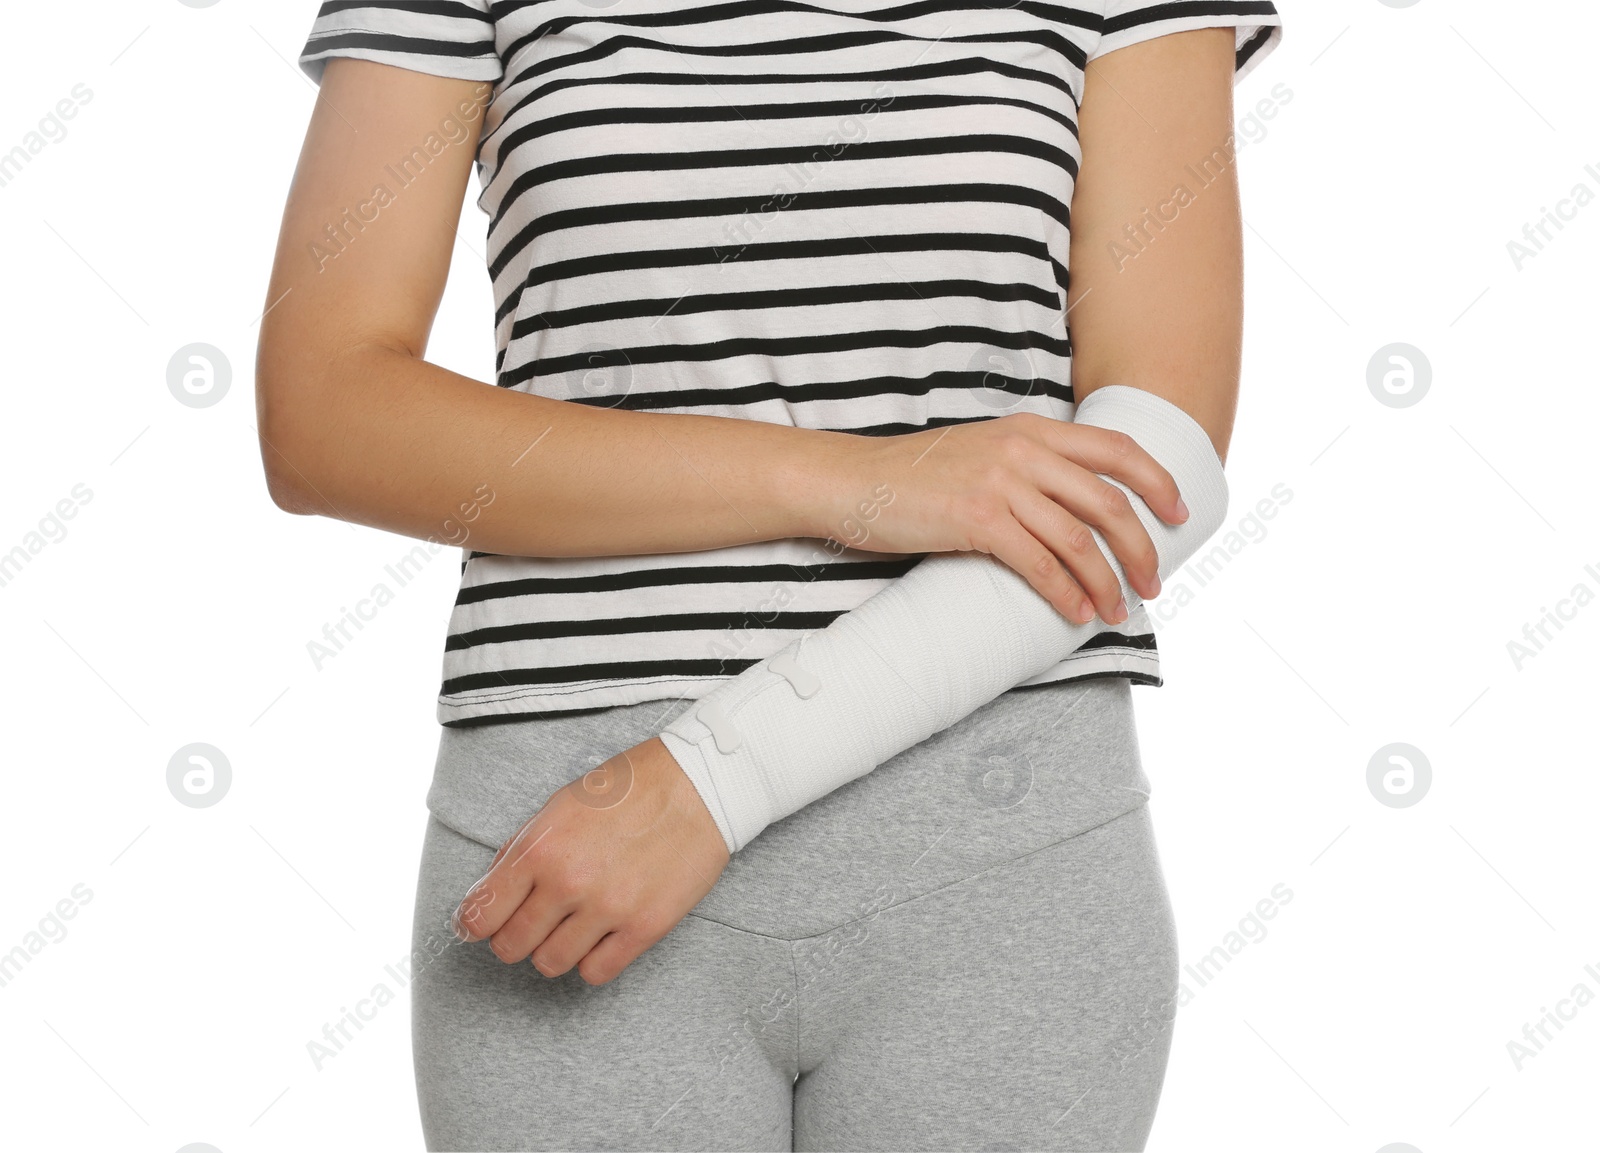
(952, 634)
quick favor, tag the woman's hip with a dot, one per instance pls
(1032, 768)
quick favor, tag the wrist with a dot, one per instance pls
(690, 763)
(819, 480)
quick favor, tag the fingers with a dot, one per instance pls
(1020, 550)
(1074, 545)
(616, 951)
(491, 902)
(533, 921)
(1118, 455)
(1086, 498)
(601, 936)
(570, 941)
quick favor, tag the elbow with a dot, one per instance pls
(288, 496)
(284, 463)
(285, 484)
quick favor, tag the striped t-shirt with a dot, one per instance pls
(847, 215)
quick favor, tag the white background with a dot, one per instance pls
(1378, 608)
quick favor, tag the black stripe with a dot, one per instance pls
(902, 428)
(506, 718)
(744, 9)
(1074, 54)
(1145, 642)
(837, 570)
(1253, 45)
(747, 620)
(1183, 9)
(788, 110)
(787, 346)
(389, 42)
(778, 156)
(861, 388)
(594, 264)
(607, 671)
(716, 81)
(592, 215)
(452, 8)
(784, 298)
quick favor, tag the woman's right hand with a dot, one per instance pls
(1022, 488)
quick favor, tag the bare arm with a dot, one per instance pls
(355, 424)
(1160, 309)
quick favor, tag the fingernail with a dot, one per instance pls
(1086, 612)
(455, 925)
(1183, 510)
(1121, 611)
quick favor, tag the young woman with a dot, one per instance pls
(781, 301)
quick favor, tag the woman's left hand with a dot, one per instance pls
(603, 871)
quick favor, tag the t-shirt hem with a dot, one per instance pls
(513, 704)
(488, 69)
(1256, 33)
(1140, 666)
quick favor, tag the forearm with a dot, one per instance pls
(943, 640)
(383, 438)
(354, 423)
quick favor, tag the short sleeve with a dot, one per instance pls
(443, 37)
(1258, 27)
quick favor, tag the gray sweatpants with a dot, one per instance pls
(971, 947)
